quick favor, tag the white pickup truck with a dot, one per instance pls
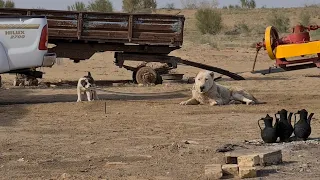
(24, 45)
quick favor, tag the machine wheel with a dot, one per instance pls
(271, 40)
(146, 75)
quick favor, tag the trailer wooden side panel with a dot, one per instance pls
(142, 29)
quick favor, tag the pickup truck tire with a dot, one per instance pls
(24, 80)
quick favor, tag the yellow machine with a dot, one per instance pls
(297, 44)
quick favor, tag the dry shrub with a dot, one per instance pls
(280, 21)
(209, 21)
(305, 18)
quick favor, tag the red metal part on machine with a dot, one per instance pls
(299, 35)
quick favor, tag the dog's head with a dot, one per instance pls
(204, 81)
(87, 81)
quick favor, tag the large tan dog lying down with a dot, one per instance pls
(206, 91)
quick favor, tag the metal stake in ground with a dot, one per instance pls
(255, 60)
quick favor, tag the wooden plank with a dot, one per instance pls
(154, 28)
(13, 11)
(158, 16)
(107, 20)
(106, 40)
(155, 42)
(105, 34)
(105, 26)
(149, 35)
(80, 26)
(155, 21)
(63, 33)
(130, 30)
(60, 18)
(62, 24)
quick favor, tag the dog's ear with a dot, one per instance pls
(212, 74)
(89, 73)
(83, 83)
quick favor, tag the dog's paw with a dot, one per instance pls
(78, 100)
(184, 103)
(250, 103)
(213, 103)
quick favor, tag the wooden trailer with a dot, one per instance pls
(134, 37)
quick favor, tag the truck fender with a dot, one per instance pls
(4, 61)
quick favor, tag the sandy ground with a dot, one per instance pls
(45, 134)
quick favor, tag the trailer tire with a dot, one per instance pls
(146, 75)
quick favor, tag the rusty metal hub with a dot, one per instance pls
(146, 75)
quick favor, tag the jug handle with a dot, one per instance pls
(295, 117)
(310, 117)
(259, 124)
(275, 115)
(289, 117)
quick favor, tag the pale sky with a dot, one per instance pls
(62, 4)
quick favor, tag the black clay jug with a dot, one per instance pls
(269, 133)
(302, 128)
(284, 127)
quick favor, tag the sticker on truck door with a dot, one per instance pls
(17, 34)
(19, 26)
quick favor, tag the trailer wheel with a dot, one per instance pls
(146, 75)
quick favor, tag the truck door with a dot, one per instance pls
(4, 63)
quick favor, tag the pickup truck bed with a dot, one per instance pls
(141, 29)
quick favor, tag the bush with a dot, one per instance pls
(240, 28)
(243, 28)
(170, 6)
(259, 29)
(305, 18)
(209, 21)
(251, 4)
(7, 4)
(231, 6)
(132, 6)
(196, 4)
(207, 39)
(100, 6)
(77, 6)
(280, 21)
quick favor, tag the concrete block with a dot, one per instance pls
(247, 172)
(231, 160)
(230, 169)
(213, 171)
(232, 157)
(270, 158)
(249, 160)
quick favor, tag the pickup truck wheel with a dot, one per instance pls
(146, 75)
(19, 80)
